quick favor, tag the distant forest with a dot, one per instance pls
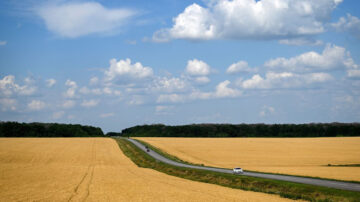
(246, 130)
(14, 129)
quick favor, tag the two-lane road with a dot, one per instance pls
(304, 180)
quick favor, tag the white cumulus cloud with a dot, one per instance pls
(332, 57)
(50, 82)
(8, 87)
(241, 66)
(3, 43)
(350, 24)
(223, 90)
(72, 87)
(74, 19)
(197, 67)
(284, 80)
(124, 70)
(169, 85)
(36, 105)
(249, 19)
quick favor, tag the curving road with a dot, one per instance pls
(304, 180)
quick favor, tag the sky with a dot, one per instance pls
(117, 64)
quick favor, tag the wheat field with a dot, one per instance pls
(294, 156)
(95, 169)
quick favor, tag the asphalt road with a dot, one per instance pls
(304, 180)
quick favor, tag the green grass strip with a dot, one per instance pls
(344, 165)
(284, 189)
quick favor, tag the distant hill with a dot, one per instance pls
(15, 129)
(246, 130)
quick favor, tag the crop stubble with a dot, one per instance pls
(95, 169)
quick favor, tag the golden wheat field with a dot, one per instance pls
(95, 169)
(295, 156)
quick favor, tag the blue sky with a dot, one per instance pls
(116, 64)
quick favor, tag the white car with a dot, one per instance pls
(238, 171)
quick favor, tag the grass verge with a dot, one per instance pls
(167, 155)
(344, 165)
(284, 189)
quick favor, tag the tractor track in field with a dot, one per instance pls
(82, 189)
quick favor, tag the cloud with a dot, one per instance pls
(174, 98)
(50, 82)
(36, 105)
(350, 24)
(163, 108)
(301, 41)
(89, 103)
(332, 57)
(131, 42)
(94, 81)
(241, 66)
(202, 79)
(8, 104)
(85, 90)
(222, 90)
(197, 68)
(353, 73)
(3, 43)
(249, 19)
(284, 80)
(107, 91)
(107, 115)
(8, 87)
(58, 115)
(124, 71)
(99, 91)
(71, 91)
(68, 104)
(169, 85)
(198, 71)
(75, 19)
(136, 100)
(266, 111)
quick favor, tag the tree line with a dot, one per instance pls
(246, 130)
(15, 129)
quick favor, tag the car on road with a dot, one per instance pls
(238, 171)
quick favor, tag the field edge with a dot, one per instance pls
(284, 189)
(177, 159)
